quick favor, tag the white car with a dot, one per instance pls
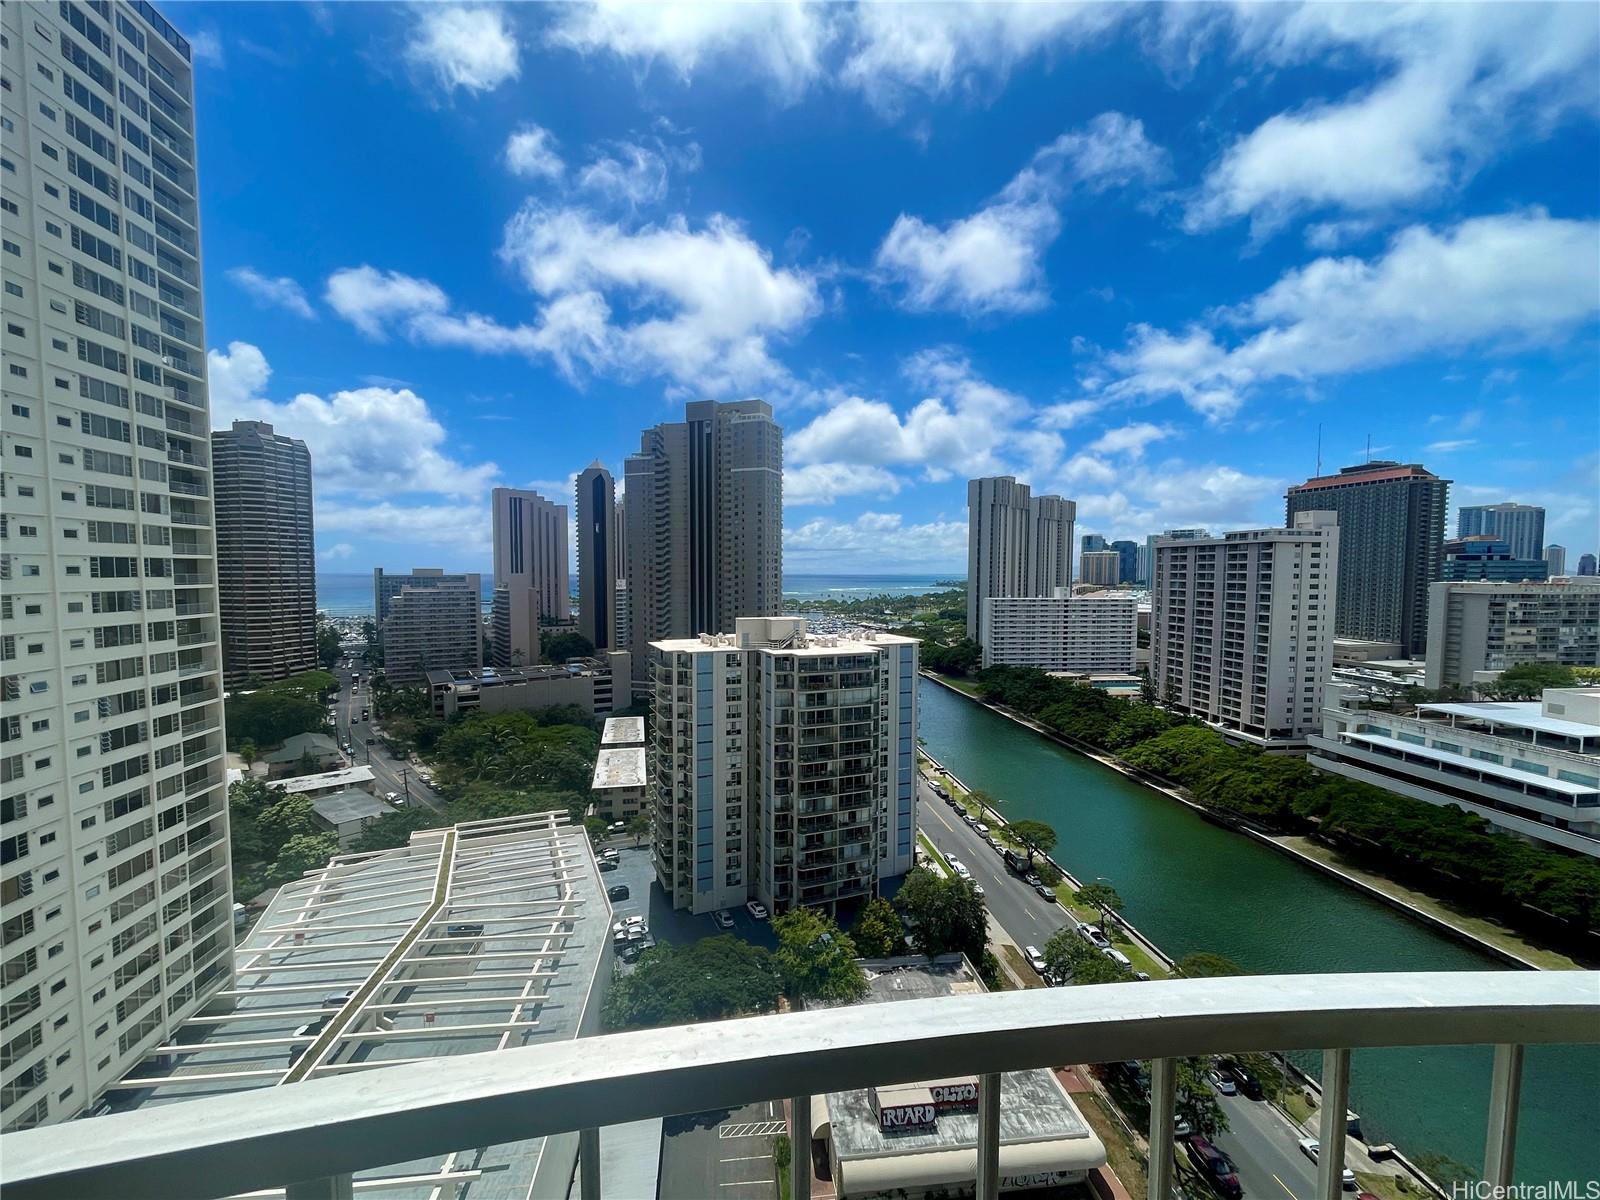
(1035, 959)
(391, 797)
(1094, 937)
(723, 918)
(1224, 1083)
(1311, 1148)
(983, 830)
(977, 890)
(1117, 956)
(757, 910)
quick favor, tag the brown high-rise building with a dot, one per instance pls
(266, 553)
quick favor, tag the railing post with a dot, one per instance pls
(1163, 1110)
(800, 1148)
(329, 1187)
(1333, 1125)
(1505, 1097)
(989, 1137)
(588, 1164)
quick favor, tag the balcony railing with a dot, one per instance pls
(310, 1138)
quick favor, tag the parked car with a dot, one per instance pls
(970, 819)
(1032, 879)
(1094, 937)
(617, 891)
(1215, 1166)
(616, 827)
(723, 918)
(609, 864)
(757, 910)
(1118, 957)
(1311, 1148)
(983, 830)
(995, 844)
(977, 889)
(391, 797)
(1035, 959)
(1045, 892)
(1241, 1075)
(1223, 1082)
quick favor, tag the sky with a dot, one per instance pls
(1142, 257)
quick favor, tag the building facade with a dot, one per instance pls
(1018, 544)
(1555, 558)
(1485, 557)
(1050, 559)
(1128, 569)
(1586, 565)
(1093, 633)
(1477, 630)
(431, 622)
(704, 528)
(783, 765)
(1391, 546)
(530, 563)
(597, 559)
(1531, 768)
(114, 862)
(596, 685)
(266, 553)
(1519, 526)
(1241, 629)
(1100, 568)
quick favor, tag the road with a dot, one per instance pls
(1261, 1142)
(391, 774)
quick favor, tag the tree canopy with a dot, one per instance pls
(816, 960)
(946, 914)
(1100, 895)
(704, 981)
(877, 932)
(1034, 836)
(1075, 961)
(563, 646)
(1526, 681)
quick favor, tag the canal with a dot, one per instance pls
(1191, 885)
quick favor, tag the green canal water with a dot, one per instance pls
(1191, 885)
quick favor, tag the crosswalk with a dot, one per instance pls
(752, 1129)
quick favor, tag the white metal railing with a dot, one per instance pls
(310, 1137)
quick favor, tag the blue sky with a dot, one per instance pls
(1135, 255)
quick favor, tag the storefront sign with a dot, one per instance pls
(955, 1095)
(904, 1118)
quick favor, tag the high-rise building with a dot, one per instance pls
(1556, 558)
(117, 909)
(1586, 565)
(1091, 542)
(1487, 557)
(1391, 547)
(704, 529)
(266, 553)
(597, 579)
(1241, 634)
(1128, 569)
(1018, 544)
(387, 586)
(530, 563)
(1147, 575)
(1520, 526)
(433, 622)
(1477, 630)
(783, 766)
(1102, 568)
(1093, 633)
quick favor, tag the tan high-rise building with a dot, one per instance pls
(1018, 544)
(1102, 568)
(597, 561)
(704, 506)
(530, 563)
(1242, 627)
(433, 622)
(266, 553)
(114, 891)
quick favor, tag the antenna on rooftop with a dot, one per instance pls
(1319, 448)
(1369, 447)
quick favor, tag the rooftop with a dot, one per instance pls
(301, 744)
(623, 731)
(1515, 714)
(351, 804)
(490, 677)
(346, 777)
(619, 767)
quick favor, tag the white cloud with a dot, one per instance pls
(991, 261)
(369, 298)
(280, 292)
(1132, 500)
(531, 152)
(1493, 283)
(337, 552)
(782, 40)
(464, 46)
(1449, 447)
(206, 47)
(823, 483)
(632, 174)
(1068, 413)
(459, 528)
(876, 541)
(1463, 75)
(1332, 235)
(1130, 440)
(369, 441)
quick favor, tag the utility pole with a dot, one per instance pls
(405, 782)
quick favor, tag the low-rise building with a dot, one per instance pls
(330, 782)
(1097, 632)
(620, 779)
(1477, 630)
(920, 1139)
(596, 685)
(348, 813)
(303, 754)
(623, 731)
(1532, 768)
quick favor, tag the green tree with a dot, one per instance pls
(703, 981)
(1102, 896)
(877, 932)
(1196, 1102)
(286, 819)
(248, 753)
(815, 959)
(1203, 964)
(395, 829)
(568, 645)
(1034, 836)
(328, 647)
(304, 852)
(268, 716)
(1526, 681)
(946, 915)
(1073, 959)
(639, 826)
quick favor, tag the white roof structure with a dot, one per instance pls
(619, 768)
(623, 731)
(1516, 715)
(472, 938)
(1490, 770)
(326, 781)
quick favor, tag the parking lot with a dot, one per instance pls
(725, 1154)
(646, 899)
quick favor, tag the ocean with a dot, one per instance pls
(349, 594)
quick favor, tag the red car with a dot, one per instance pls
(1216, 1166)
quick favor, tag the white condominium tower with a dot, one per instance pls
(114, 890)
(1242, 627)
(1018, 544)
(266, 553)
(530, 564)
(1098, 632)
(430, 621)
(597, 559)
(783, 765)
(704, 505)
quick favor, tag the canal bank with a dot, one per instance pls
(1191, 885)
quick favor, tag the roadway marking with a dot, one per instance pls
(752, 1129)
(747, 1183)
(1284, 1186)
(747, 1158)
